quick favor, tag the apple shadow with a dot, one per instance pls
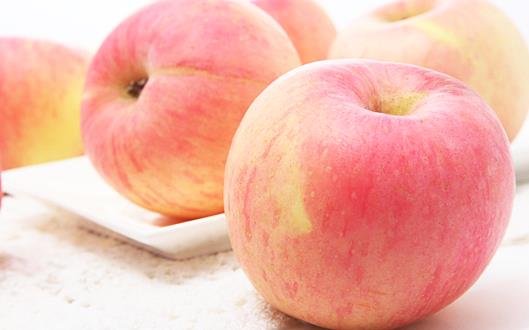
(163, 221)
(5, 260)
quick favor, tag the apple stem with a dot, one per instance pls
(134, 88)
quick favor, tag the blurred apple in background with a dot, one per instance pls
(367, 195)
(166, 92)
(306, 23)
(470, 40)
(41, 84)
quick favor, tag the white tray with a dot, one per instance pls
(520, 154)
(75, 186)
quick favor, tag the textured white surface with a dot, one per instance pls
(50, 265)
(57, 275)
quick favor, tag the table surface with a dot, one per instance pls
(56, 274)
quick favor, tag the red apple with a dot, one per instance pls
(41, 84)
(471, 40)
(306, 23)
(166, 92)
(367, 195)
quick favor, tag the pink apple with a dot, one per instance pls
(166, 92)
(306, 23)
(470, 40)
(367, 195)
(41, 84)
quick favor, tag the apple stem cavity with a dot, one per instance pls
(135, 88)
(400, 11)
(397, 105)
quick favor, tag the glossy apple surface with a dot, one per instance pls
(166, 92)
(367, 195)
(41, 85)
(306, 23)
(471, 40)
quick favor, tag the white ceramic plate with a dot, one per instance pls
(75, 186)
(521, 164)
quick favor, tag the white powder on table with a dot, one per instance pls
(57, 275)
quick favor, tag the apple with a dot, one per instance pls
(471, 40)
(306, 23)
(367, 195)
(41, 85)
(166, 92)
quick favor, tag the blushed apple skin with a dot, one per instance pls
(205, 61)
(307, 24)
(349, 218)
(471, 40)
(41, 84)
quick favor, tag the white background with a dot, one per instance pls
(85, 23)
